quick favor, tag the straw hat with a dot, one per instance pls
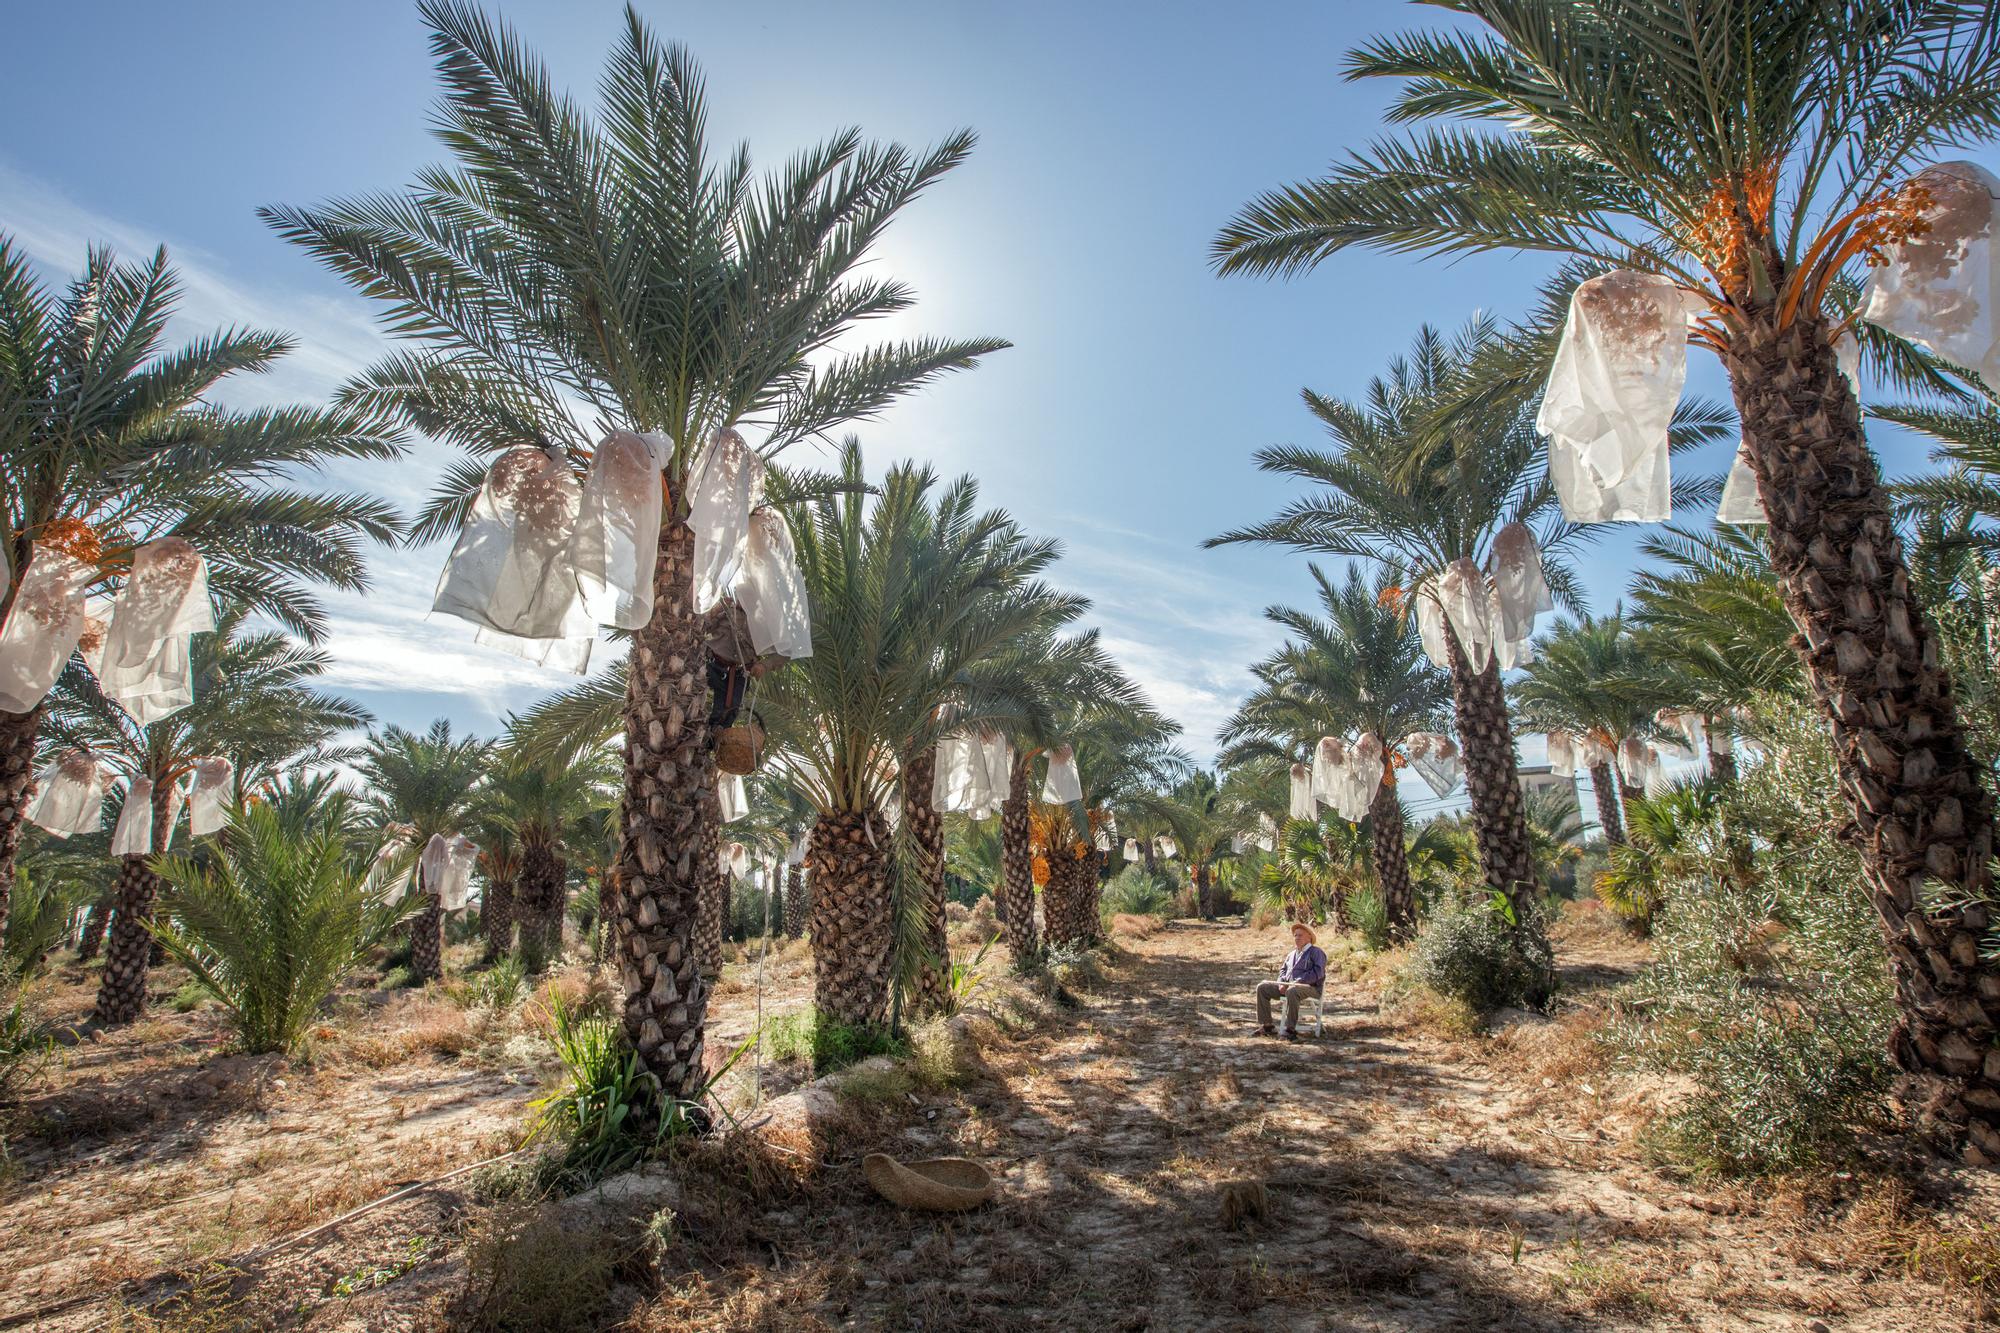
(937, 1185)
(1310, 937)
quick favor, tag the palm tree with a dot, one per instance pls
(615, 261)
(1360, 669)
(423, 783)
(1124, 755)
(541, 802)
(1755, 154)
(254, 705)
(912, 592)
(500, 865)
(1395, 496)
(108, 441)
(1711, 619)
(1594, 678)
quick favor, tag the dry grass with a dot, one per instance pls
(1133, 926)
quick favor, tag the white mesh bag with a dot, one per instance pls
(511, 569)
(731, 795)
(1468, 606)
(1063, 784)
(1435, 758)
(1740, 501)
(1519, 589)
(70, 796)
(728, 483)
(959, 783)
(133, 835)
(1303, 806)
(42, 627)
(1132, 849)
(617, 540)
(455, 886)
(771, 590)
(1430, 625)
(1562, 754)
(1942, 289)
(1611, 395)
(1329, 770)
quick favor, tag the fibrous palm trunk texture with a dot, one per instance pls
(1486, 741)
(853, 926)
(121, 992)
(496, 917)
(795, 901)
(94, 925)
(669, 774)
(427, 935)
(1392, 865)
(1921, 811)
(1610, 817)
(1069, 899)
(1017, 865)
(925, 837)
(17, 785)
(539, 904)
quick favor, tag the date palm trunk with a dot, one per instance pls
(121, 992)
(539, 903)
(669, 772)
(853, 926)
(795, 901)
(926, 841)
(427, 935)
(95, 923)
(1921, 811)
(1204, 892)
(496, 917)
(1721, 757)
(1017, 866)
(1486, 742)
(17, 787)
(1392, 864)
(1610, 817)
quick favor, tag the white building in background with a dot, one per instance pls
(1540, 778)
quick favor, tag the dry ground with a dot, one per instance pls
(1411, 1177)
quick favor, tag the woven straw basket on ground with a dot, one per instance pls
(936, 1185)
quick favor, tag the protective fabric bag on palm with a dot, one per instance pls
(1165, 848)
(795, 852)
(1329, 771)
(1365, 772)
(378, 881)
(1740, 501)
(455, 886)
(1590, 752)
(733, 797)
(728, 482)
(511, 570)
(617, 539)
(42, 627)
(145, 658)
(959, 781)
(133, 835)
(1132, 849)
(1639, 763)
(1101, 840)
(70, 796)
(1303, 806)
(1942, 289)
(1436, 759)
(1611, 395)
(771, 590)
(1468, 605)
(1063, 784)
(1430, 625)
(1562, 754)
(1520, 592)
(1267, 833)
(1687, 724)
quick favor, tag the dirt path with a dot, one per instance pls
(1414, 1182)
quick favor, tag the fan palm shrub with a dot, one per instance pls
(1666, 831)
(270, 922)
(110, 438)
(254, 704)
(1757, 153)
(1358, 667)
(422, 784)
(617, 261)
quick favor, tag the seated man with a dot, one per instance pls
(1303, 974)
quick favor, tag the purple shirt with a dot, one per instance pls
(1305, 966)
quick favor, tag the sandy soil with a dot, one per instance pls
(1411, 1177)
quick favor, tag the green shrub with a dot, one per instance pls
(1369, 916)
(1474, 955)
(38, 918)
(26, 1046)
(609, 1110)
(270, 919)
(802, 1035)
(1133, 892)
(1769, 988)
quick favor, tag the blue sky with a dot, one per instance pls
(1115, 139)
